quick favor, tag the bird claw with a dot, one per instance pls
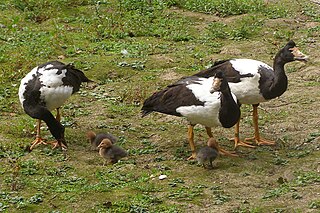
(261, 141)
(226, 153)
(56, 144)
(193, 156)
(37, 142)
(243, 143)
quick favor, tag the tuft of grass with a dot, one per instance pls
(224, 8)
(245, 28)
(302, 179)
(314, 204)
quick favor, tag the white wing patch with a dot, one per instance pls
(201, 89)
(248, 66)
(247, 91)
(53, 92)
(206, 115)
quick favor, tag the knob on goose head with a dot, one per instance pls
(219, 83)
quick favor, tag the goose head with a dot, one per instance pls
(292, 53)
(219, 83)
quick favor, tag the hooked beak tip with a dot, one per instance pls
(303, 58)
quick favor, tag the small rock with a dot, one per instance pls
(61, 57)
(162, 177)
(124, 52)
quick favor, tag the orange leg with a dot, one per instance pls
(191, 142)
(221, 151)
(237, 141)
(257, 138)
(209, 133)
(38, 139)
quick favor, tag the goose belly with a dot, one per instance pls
(247, 91)
(206, 115)
(54, 97)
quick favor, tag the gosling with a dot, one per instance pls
(209, 153)
(111, 152)
(95, 139)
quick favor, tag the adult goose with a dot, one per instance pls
(254, 82)
(45, 88)
(206, 101)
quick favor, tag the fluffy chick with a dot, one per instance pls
(208, 153)
(95, 139)
(111, 152)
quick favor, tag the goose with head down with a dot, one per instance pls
(45, 88)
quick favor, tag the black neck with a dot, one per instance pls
(229, 112)
(55, 127)
(280, 82)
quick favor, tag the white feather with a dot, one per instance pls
(53, 92)
(206, 115)
(247, 91)
(55, 97)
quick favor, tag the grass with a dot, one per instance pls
(301, 179)
(131, 49)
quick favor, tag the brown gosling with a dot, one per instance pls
(208, 153)
(95, 139)
(111, 152)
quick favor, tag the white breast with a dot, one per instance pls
(55, 97)
(53, 92)
(206, 115)
(247, 91)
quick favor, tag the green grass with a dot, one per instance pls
(131, 49)
(301, 179)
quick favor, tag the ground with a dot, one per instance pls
(162, 45)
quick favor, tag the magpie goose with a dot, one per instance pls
(254, 82)
(95, 139)
(111, 152)
(206, 101)
(45, 88)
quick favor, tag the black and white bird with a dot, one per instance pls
(46, 88)
(209, 153)
(206, 101)
(254, 82)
